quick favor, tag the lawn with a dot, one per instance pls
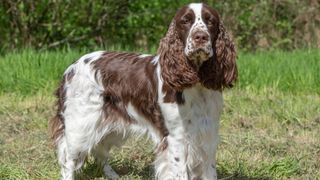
(269, 129)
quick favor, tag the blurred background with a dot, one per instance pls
(47, 24)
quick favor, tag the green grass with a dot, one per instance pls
(297, 71)
(29, 72)
(269, 129)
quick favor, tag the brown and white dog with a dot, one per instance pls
(175, 97)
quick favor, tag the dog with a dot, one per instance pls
(175, 97)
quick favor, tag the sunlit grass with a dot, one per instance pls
(28, 71)
(296, 71)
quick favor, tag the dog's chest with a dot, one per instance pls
(200, 113)
(193, 128)
(196, 117)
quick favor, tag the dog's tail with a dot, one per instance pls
(56, 124)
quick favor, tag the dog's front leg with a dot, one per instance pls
(171, 163)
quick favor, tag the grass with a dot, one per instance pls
(269, 129)
(30, 72)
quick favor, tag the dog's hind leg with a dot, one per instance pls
(70, 159)
(101, 152)
(82, 115)
(109, 172)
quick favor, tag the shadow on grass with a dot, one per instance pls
(92, 170)
(237, 176)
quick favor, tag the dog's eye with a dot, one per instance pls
(186, 21)
(210, 23)
(209, 20)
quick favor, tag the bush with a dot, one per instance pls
(285, 24)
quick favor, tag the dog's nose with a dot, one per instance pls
(200, 37)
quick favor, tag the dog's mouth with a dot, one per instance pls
(199, 55)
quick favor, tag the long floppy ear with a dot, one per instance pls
(176, 71)
(220, 71)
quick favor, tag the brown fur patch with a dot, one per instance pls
(220, 71)
(56, 124)
(162, 146)
(172, 96)
(177, 72)
(128, 78)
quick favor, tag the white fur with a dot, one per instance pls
(193, 127)
(155, 60)
(144, 55)
(82, 115)
(198, 25)
(193, 134)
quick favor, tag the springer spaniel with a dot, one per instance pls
(175, 97)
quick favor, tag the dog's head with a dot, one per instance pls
(197, 48)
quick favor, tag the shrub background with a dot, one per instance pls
(47, 24)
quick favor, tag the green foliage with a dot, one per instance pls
(285, 24)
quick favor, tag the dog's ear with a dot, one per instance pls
(176, 72)
(220, 71)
